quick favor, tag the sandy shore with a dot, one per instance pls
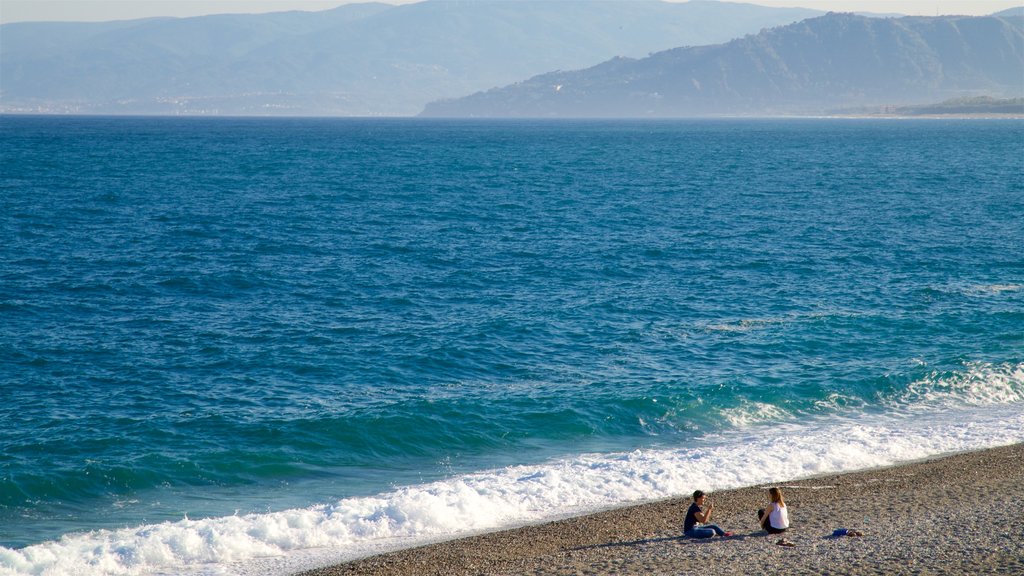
(962, 514)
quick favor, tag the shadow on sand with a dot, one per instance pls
(645, 541)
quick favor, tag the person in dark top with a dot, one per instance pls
(697, 518)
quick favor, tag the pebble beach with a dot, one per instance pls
(958, 514)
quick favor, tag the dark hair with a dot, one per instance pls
(697, 494)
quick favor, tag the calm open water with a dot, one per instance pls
(227, 342)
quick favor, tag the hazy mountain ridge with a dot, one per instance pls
(828, 62)
(357, 59)
(963, 106)
(1010, 12)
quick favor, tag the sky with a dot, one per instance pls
(101, 10)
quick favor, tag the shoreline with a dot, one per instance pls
(978, 116)
(955, 514)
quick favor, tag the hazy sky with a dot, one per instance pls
(98, 10)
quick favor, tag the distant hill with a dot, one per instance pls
(358, 59)
(823, 63)
(1011, 12)
(964, 106)
(970, 105)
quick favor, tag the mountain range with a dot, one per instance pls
(356, 60)
(820, 64)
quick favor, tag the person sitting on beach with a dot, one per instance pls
(775, 518)
(696, 523)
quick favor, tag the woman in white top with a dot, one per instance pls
(775, 518)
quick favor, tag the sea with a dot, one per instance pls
(259, 345)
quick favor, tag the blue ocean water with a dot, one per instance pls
(232, 345)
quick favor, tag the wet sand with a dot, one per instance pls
(961, 514)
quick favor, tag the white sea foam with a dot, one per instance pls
(754, 324)
(981, 384)
(979, 408)
(749, 413)
(993, 288)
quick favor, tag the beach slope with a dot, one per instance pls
(960, 514)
